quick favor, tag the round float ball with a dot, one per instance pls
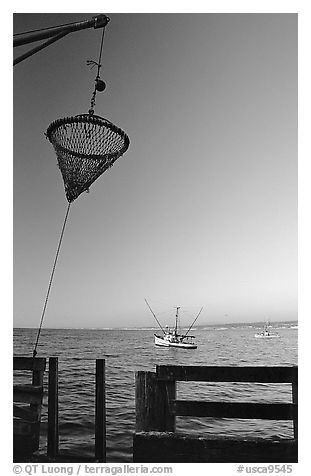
(100, 85)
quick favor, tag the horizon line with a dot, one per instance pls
(155, 327)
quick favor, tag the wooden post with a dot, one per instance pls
(52, 445)
(295, 401)
(100, 412)
(152, 403)
(37, 379)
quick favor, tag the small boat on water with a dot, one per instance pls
(266, 334)
(171, 337)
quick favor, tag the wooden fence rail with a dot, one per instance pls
(276, 374)
(269, 411)
(157, 408)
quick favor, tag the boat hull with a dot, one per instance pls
(161, 342)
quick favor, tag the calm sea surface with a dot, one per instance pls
(127, 351)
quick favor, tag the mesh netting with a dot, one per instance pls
(86, 146)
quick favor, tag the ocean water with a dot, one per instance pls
(129, 350)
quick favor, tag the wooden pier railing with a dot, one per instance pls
(155, 439)
(27, 404)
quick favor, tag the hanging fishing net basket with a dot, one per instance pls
(86, 146)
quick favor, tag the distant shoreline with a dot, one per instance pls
(288, 324)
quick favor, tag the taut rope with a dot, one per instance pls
(51, 279)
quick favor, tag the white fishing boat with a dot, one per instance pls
(171, 337)
(171, 340)
(266, 334)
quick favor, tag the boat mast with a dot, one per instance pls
(176, 322)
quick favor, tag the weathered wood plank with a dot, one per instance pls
(275, 374)
(29, 363)
(154, 447)
(26, 413)
(267, 411)
(37, 377)
(25, 428)
(152, 403)
(27, 394)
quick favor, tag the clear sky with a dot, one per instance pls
(201, 210)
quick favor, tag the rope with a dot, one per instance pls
(91, 111)
(51, 279)
(100, 52)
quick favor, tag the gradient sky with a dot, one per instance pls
(201, 210)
